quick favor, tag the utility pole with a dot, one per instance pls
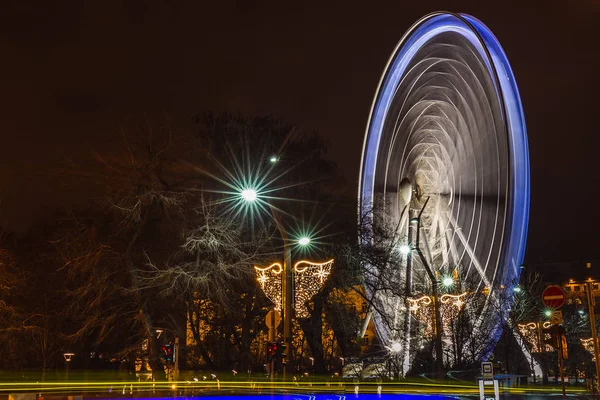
(591, 302)
(287, 294)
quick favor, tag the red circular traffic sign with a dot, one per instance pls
(553, 296)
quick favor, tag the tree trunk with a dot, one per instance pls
(313, 331)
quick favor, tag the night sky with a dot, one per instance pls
(73, 72)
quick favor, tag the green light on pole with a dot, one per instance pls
(273, 159)
(304, 241)
(548, 313)
(404, 249)
(447, 281)
(249, 195)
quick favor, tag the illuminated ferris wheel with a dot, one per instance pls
(446, 146)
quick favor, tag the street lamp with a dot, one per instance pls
(395, 350)
(447, 281)
(249, 195)
(439, 362)
(304, 241)
(405, 249)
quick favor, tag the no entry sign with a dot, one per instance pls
(553, 296)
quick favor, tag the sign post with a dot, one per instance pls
(589, 291)
(272, 320)
(554, 297)
(487, 378)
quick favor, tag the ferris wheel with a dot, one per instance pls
(446, 146)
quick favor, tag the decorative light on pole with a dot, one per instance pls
(277, 280)
(309, 278)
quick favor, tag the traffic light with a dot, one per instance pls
(167, 350)
(279, 356)
(271, 348)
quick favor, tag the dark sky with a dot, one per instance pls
(74, 71)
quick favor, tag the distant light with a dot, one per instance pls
(249, 195)
(522, 266)
(548, 313)
(396, 347)
(273, 159)
(517, 289)
(405, 249)
(448, 281)
(303, 241)
(580, 312)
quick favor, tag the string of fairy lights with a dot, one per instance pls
(269, 279)
(422, 308)
(531, 334)
(588, 345)
(309, 279)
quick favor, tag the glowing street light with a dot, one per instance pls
(447, 281)
(548, 313)
(517, 289)
(249, 195)
(304, 241)
(273, 159)
(404, 249)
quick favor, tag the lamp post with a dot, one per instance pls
(437, 318)
(287, 285)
